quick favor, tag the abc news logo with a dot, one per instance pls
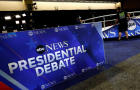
(131, 25)
(40, 49)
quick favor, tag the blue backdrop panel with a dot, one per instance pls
(42, 58)
(133, 29)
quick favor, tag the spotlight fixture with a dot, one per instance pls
(17, 22)
(17, 16)
(24, 15)
(7, 17)
(23, 22)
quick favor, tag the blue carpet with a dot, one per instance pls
(118, 51)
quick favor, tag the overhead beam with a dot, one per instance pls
(11, 6)
(73, 6)
(28, 5)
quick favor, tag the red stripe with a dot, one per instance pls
(4, 86)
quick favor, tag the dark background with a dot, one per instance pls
(47, 19)
(131, 4)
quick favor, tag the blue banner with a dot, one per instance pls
(42, 58)
(133, 29)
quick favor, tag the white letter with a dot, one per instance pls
(54, 66)
(67, 62)
(61, 64)
(74, 50)
(12, 66)
(64, 53)
(71, 51)
(60, 44)
(41, 71)
(45, 58)
(39, 59)
(137, 32)
(83, 48)
(51, 57)
(55, 46)
(114, 34)
(49, 47)
(31, 62)
(47, 68)
(79, 50)
(57, 55)
(72, 60)
(65, 43)
(105, 35)
(22, 64)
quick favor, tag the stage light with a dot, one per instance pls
(17, 22)
(4, 27)
(24, 15)
(7, 18)
(17, 16)
(23, 22)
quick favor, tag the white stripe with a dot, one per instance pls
(12, 80)
(138, 22)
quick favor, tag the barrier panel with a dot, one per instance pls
(133, 29)
(42, 58)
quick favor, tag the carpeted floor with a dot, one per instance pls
(123, 58)
(117, 51)
(123, 76)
